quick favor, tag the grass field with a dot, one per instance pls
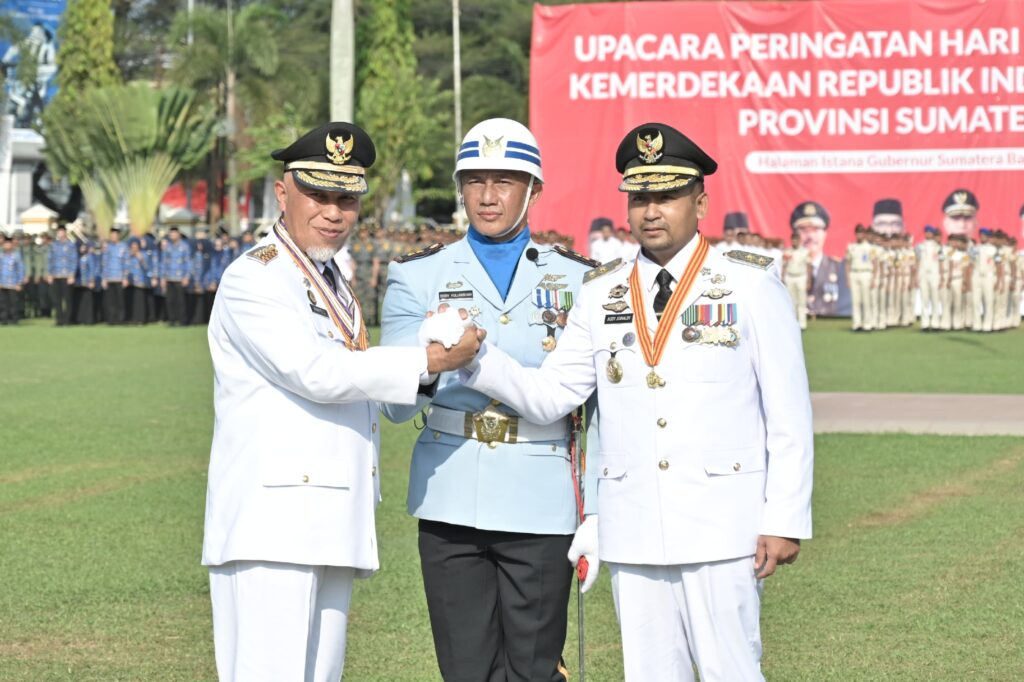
(908, 360)
(913, 574)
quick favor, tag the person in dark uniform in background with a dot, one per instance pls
(367, 260)
(829, 295)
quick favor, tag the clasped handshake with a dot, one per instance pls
(451, 339)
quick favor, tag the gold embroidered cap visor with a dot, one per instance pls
(328, 180)
(657, 178)
(655, 157)
(331, 158)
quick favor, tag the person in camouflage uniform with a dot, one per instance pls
(364, 252)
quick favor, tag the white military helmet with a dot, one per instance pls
(499, 144)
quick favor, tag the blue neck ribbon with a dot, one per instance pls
(499, 258)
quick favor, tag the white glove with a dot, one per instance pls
(584, 544)
(445, 328)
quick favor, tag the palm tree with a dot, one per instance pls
(130, 142)
(243, 61)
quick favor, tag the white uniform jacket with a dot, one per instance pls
(294, 463)
(695, 470)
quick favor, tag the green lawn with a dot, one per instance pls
(907, 360)
(105, 438)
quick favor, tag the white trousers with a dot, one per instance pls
(277, 622)
(673, 618)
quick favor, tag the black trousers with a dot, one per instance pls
(176, 312)
(113, 303)
(61, 300)
(136, 297)
(498, 602)
(43, 298)
(8, 306)
(84, 313)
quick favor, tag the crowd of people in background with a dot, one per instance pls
(173, 278)
(884, 281)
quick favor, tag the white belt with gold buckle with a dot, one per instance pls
(490, 425)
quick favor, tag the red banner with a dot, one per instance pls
(844, 102)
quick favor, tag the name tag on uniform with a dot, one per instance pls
(317, 309)
(455, 295)
(622, 318)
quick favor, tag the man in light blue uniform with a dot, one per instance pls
(12, 279)
(494, 493)
(85, 284)
(112, 272)
(60, 274)
(175, 271)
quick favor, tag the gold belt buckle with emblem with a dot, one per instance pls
(491, 426)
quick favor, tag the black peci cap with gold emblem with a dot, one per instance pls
(960, 202)
(655, 157)
(809, 213)
(331, 158)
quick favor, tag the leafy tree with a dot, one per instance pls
(247, 62)
(401, 110)
(85, 59)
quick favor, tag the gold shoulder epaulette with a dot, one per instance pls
(572, 255)
(422, 253)
(263, 254)
(610, 266)
(753, 259)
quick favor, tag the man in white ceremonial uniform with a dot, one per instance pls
(293, 479)
(860, 274)
(706, 452)
(931, 271)
(797, 275)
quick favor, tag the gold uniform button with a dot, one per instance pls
(663, 464)
(554, 448)
(504, 319)
(305, 479)
(330, 335)
(373, 429)
(606, 471)
(736, 466)
(492, 445)
(662, 423)
(373, 471)
(437, 435)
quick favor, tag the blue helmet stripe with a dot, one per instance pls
(468, 154)
(509, 154)
(522, 145)
(470, 144)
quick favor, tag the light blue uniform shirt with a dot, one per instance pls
(523, 487)
(63, 259)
